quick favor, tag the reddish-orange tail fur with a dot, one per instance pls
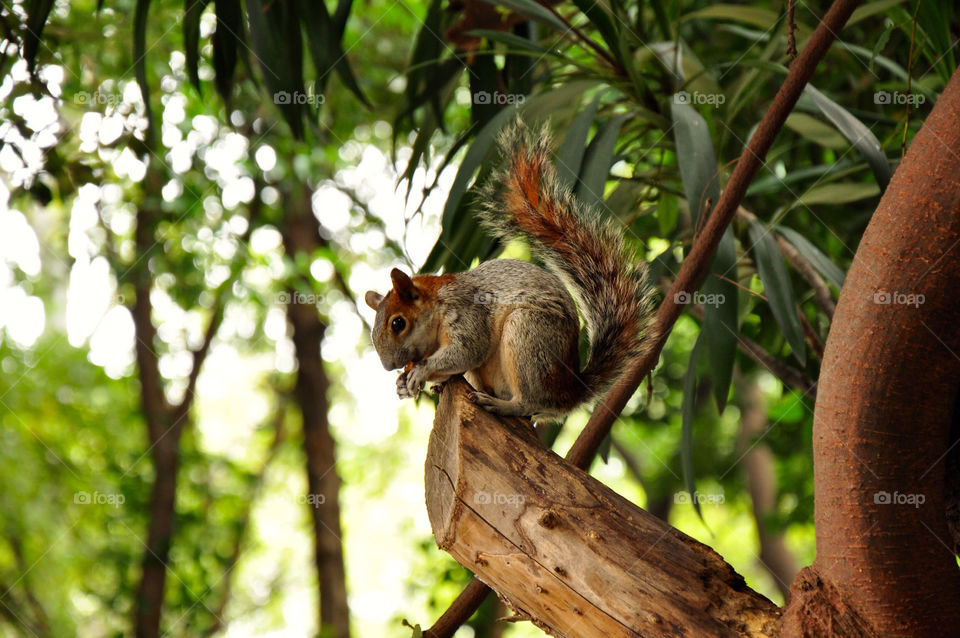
(525, 199)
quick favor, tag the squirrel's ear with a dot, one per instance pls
(373, 299)
(403, 285)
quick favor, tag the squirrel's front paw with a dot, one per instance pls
(416, 378)
(402, 390)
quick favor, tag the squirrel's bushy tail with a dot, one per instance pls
(525, 199)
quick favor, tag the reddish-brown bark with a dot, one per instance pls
(887, 388)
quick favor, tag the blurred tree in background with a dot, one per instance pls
(194, 195)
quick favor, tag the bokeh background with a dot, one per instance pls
(193, 198)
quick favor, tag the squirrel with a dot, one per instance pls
(509, 326)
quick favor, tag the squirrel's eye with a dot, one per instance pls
(398, 324)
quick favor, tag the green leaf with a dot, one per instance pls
(843, 193)
(762, 18)
(882, 42)
(534, 11)
(511, 40)
(340, 15)
(868, 9)
(687, 413)
(227, 40)
(37, 13)
(774, 183)
(597, 161)
(570, 156)
(604, 23)
(668, 212)
(426, 68)
(720, 320)
(816, 131)
(484, 80)
(824, 265)
(277, 45)
(856, 132)
(777, 287)
(476, 156)
(696, 159)
(459, 245)
(191, 37)
(698, 171)
(557, 104)
(325, 47)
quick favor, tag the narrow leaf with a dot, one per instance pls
(868, 9)
(278, 47)
(511, 40)
(324, 44)
(698, 171)
(37, 13)
(816, 131)
(762, 18)
(597, 161)
(777, 287)
(696, 159)
(836, 194)
(192, 11)
(857, 132)
(824, 265)
(534, 11)
(340, 15)
(227, 40)
(604, 23)
(570, 155)
(720, 321)
(474, 158)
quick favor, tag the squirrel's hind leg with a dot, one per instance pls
(500, 407)
(538, 367)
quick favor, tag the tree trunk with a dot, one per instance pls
(163, 433)
(159, 534)
(563, 549)
(302, 236)
(888, 385)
